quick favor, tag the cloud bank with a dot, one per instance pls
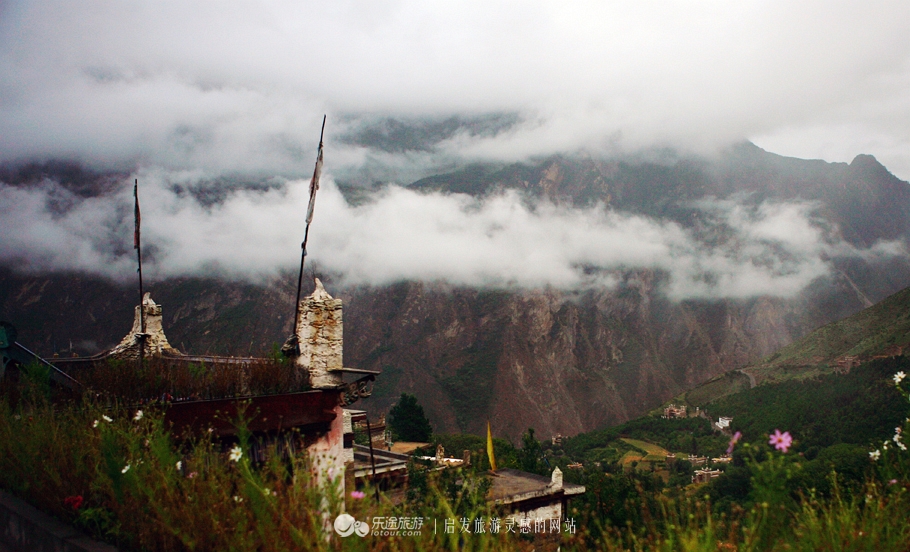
(773, 249)
(242, 85)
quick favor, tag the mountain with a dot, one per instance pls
(878, 332)
(559, 361)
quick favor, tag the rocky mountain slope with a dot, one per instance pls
(558, 361)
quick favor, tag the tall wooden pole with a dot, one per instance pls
(138, 246)
(314, 185)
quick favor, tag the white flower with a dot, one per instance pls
(902, 446)
(898, 377)
(125, 469)
(95, 423)
(238, 499)
(179, 465)
(236, 453)
(138, 416)
(107, 418)
(875, 454)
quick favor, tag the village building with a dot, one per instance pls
(696, 460)
(674, 411)
(846, 363)
(703, 476)
(530, 496)
(724, 422)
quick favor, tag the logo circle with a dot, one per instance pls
(345, 524)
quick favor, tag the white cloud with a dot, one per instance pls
(771, 249)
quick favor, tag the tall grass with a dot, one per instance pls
(117, 472)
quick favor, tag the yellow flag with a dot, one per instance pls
(490, 447)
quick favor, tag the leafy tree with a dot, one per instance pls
(408, 421)
(530, 453)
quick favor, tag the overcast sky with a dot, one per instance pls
(169, 90)
(243, 85)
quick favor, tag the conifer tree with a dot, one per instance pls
(408, 421)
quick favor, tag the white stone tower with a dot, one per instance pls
(155, 341)
(319, 334)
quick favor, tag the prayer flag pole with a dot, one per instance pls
(138, 247)
(291, 346)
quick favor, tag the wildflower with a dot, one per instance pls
(138, 416)
(357, 494)
(107, 418)
(125, 469)
(236, 453)
(95, 423)
(736, 437)
(781, 441)
(238, 498)
(892, 482)
(898, 377)
(875, 454)
(179, 465)
(74, 502)
(192, 475)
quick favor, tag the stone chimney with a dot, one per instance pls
(556, 479)
(155, 341)
(440, 454)
(319, 334)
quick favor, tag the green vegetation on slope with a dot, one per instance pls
(856, 408)
(866, 333)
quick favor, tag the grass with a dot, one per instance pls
(653, 452)
(121, 476)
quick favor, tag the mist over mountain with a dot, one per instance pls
(564, 294)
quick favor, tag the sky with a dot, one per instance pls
(188, 91)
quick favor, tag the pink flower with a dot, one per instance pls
(736, 437)
(74, 502)
(781, 441)
(357, 494)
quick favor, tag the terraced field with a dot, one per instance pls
(653, 453)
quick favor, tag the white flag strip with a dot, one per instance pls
(314, 185)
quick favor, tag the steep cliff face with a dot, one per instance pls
(561, 363)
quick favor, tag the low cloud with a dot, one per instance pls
(737, 250)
